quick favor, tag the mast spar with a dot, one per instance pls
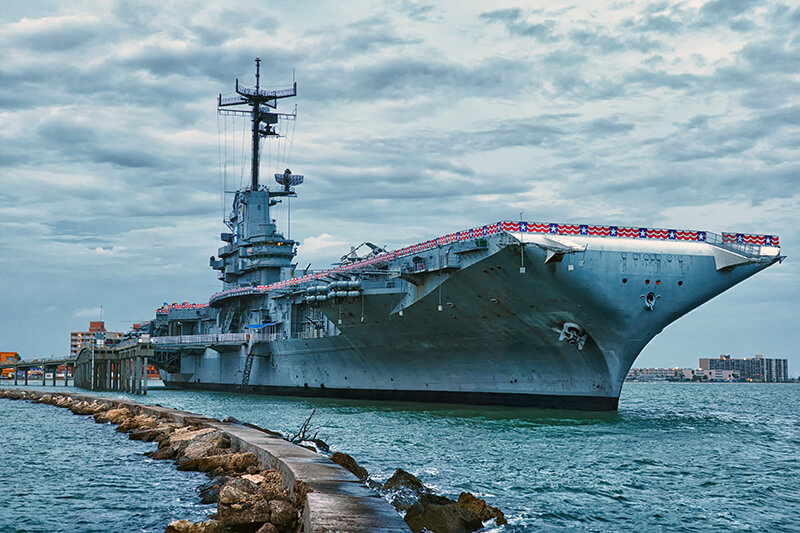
(261, 102)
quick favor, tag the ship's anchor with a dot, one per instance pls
(650, 301)
(573, 334)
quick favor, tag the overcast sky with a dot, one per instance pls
(414, 120)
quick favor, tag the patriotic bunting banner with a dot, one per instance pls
(508, 227)
(164, 309)
(747, 238)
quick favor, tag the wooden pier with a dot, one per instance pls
(120, 368)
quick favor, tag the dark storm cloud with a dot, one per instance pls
(515, 24)
(660, 23)
(407, 76)
(724, 11)
(62, 34)
(361, 37)
(653, 79)
(418, 11)
(84, 141)
(763, 71)
(605, 43)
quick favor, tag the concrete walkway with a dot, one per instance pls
(336, 502)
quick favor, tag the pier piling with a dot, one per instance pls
(115, 368)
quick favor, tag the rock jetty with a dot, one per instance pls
(262, 483)
(259, 481)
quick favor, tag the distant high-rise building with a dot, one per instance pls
(79, 338)
(758, 368)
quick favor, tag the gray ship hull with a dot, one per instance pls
(512, 313)
(488, 333)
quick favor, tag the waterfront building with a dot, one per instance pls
(714, 375)
(79, 338)
(678, 374)
(8, 357)
(658, 374)
(758, 368)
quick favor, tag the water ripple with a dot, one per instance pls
(676, 457)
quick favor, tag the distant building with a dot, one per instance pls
(5, 358)
(714, 375)
(79, 338)
(658, 374)
(758, 368)
(678, 374)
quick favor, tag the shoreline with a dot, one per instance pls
(261, 482)
(324, 496)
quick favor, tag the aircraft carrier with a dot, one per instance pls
(512, 313)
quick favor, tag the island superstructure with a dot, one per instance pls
(512, 312)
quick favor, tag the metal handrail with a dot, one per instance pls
(741, 247)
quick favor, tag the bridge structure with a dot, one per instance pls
(47, 366)
(122, 367)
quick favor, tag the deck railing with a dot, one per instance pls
(220, 338)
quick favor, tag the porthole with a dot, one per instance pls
(680, 283)
(647, 282)
(624, 280)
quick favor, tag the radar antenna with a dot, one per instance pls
(261, 101)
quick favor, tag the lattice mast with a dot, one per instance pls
(263, 119)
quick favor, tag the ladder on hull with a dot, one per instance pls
(248, 365)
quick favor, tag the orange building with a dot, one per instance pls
(8, 357)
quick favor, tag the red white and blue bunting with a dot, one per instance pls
(586, 230)
(164, 309)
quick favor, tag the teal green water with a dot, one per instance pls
(676, 457)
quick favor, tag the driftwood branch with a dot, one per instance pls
(307, 431)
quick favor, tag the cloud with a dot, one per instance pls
(91, 312)
(516, 24)
(415, 119)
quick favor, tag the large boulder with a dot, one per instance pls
(158, 433)
(65, 401)
(350, 464)
(206, 444)
(405, 490)
(230, 462)
(115, 416)
(449, 518)
(86, 408)
(238, 489)
(184, 526)
(255, 512)
(283, 515)
(141, 421)
(209, 492)
(173, 445)
(184, 434)
(473, 504)
(272, 486)
(267, 528)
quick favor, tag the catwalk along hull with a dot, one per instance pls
(561, 332)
